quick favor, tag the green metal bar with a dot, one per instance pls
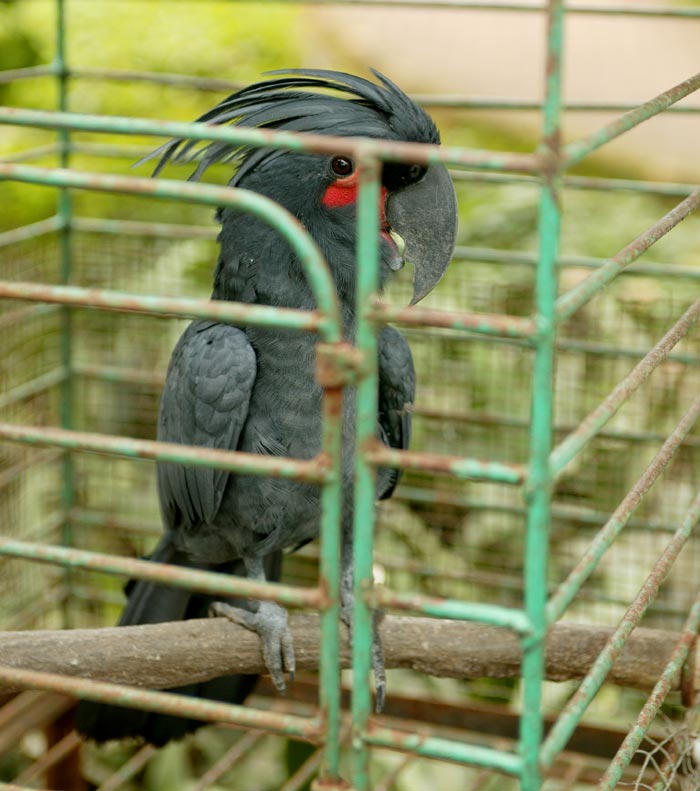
(589, 560)
(580, 149)
(651, 708)
(577, 297)
(311, 470)
(456, 466)
(538, 487)
(310, 257)
(119, 301)
(364, 492)
(445, 749)
(591, 425)
(163, 230)
(566, 724)
(399, 151)
(456, 610)
(164, 702)
(482, 323)
(329, 581)
(166, 574)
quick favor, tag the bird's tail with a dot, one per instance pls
(149, 602)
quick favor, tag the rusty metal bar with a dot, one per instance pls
(589, 427)
(566, 724)
(311, 471)
(127, 770)
(651, 708)
(590, 558)
(166, 574)
(570, 302)
(482, 323)
(457, 466)
(179, 307)
(414, 153)
(580, 149)
(435, 607)
(226, 762)
(165, 702)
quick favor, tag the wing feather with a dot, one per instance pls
(205, 403)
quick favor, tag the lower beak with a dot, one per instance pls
(424, 216)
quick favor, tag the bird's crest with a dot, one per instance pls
(301, 102)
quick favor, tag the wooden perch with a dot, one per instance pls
(170, 654)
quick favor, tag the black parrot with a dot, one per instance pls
(252, 389)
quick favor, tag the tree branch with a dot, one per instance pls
(170, 654)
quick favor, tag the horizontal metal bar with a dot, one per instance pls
(33, 231)
(163, 230)
(119, 374)
(578, 150)
(577, 297)
(179, 307)
(566, 724)
(590, 558)
(295, 234)
(37, 152)
(166, 574)
(565, 451)
(30, 389)
(12, 75)
(165, 702)
(444, 749)
(311, 470)
(435, 607)
(482, 323)
(456, 466)
(489, 255)
(360, 148)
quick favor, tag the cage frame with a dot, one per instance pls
(339, 366)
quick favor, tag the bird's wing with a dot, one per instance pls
(397, 388)
(205, 402)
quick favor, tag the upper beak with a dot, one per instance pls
(424, 214)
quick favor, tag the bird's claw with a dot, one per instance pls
(276, 643)
(378, 668)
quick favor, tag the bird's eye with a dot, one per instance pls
(342, 166)
(415, 172)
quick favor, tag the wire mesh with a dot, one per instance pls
(441, 536)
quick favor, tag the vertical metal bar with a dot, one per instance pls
(538, 488)
(364, 494)
(331, 503)
(66, 351)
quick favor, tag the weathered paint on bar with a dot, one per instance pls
(165, 702)
(167, 574)
(312, 471)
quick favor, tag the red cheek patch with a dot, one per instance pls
(343, 192)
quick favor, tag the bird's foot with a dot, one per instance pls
(270, 623)
(347, 611)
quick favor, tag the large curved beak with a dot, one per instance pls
(424, 214)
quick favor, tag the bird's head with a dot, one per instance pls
(417, 208)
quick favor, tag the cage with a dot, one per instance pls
(557, 383)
